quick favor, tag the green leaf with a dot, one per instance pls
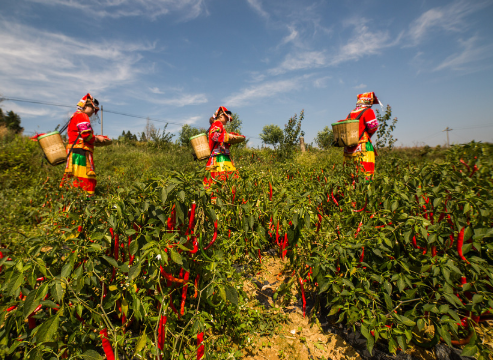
(14, 284)
(66, 270)
(91, 355)
(164, 195)
(47, 329)
(110, 260)
(388, 301)
(57, 290)
(134, 247)
(420, 324)
(469, 350)
(134, 272)
(181, 196)
(141, 343)
(176, 257)
(476, 299)
(406, 321)
(388, 287)
(232, 295)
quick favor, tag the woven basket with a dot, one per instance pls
(107, 141)
(346, 133)
(53, 147)
(200, 146)
(235, 138)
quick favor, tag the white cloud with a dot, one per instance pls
(155, 90)
(301, 60)
(449, 18)
(361, 44)
(189, 121)
(190, 9)
(265, 90)
(321, 82)
(47, 65)
(360, 86)
(183, 100)
(293, 35)
(257, 6)
(471, 53)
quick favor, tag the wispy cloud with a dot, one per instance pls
(155, 90)
(449, 18)
(360, 86)
(183, 100)
(471, 53)
(189, 9)
(359, 45)
(257, 6)
(189, 121)
(265, 90)
(42, 64)
(321, 82)
(293, 35)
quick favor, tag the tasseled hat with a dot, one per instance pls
(223, 110)
(88, 99)
(367, 99)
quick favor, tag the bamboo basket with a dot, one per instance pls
(200, 146)
(107, 141)
(235, 138)
(346, 133)
(53, 147)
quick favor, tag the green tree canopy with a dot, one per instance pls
(324, 138)
(11, 121)
(187, 132)
(386, 126)
(272, 135)
(235, 126)
(292, 134)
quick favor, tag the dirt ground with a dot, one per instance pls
(297, 339)
(300, 339)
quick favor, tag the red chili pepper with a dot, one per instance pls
(303, 296)
(415, 244)
(79, 228)
(463, 162)
(131, 257)
(117, 247)
(172, 305)
(196, 283)
(161, 334)
(108, 350)
(335, 201)
(362, 256)
(358, 229)
(170, 277)
(200, 347)
(284, 246)
(214, 237)
(433, 251)
(474, 169)
(319, 222)
(277, 234)
(233, 191)
(1, 257)
(184, 294)
(362, 209)
(192, 218)
(270, 191)
(259, 256)
(460, 243)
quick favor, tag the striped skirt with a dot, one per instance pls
(220, 166)
(366, 157)
(79, 171)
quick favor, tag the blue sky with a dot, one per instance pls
(178, 60)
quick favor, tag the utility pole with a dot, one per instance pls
(447, 130)
(101, 120)
(302, 144)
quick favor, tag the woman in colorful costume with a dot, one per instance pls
(79, 171)
(368, 124)
(219, 164)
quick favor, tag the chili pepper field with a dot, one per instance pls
(154, 266)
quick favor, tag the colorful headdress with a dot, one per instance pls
(226, 112)
(367, 99)
(88, 99)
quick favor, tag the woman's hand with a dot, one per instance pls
(101, 138)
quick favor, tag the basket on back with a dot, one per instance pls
(346, 133)
(53, 147)
(200, 146)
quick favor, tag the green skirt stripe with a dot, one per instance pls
(369, 146)
(222, 158)
(78, 159)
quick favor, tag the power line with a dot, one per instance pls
(106, 111)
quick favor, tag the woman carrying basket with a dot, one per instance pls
(220, 164)
(79, 171)
(368, 124)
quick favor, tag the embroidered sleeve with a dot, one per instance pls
(217, 132)
(372, 125)
(85, 130)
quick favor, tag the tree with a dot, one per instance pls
(325, 138)
(292, 133)
(186, 133)
(235, 126)
(272, 135)
(160, 138)
(385, 129)
(11, 121)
